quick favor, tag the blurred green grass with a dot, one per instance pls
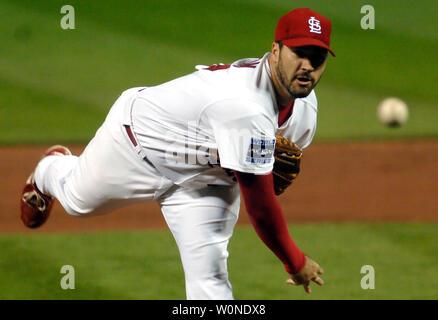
(57, 85)
(146, 265)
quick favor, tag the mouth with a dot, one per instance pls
(303, 80)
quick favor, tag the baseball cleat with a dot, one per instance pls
(36, 206)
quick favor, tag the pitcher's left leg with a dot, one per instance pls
(202, 222)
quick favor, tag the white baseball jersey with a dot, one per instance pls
(225, 110)
(181, 126)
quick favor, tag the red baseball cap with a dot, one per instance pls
(304, 27)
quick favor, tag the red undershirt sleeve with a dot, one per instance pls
(268, 219)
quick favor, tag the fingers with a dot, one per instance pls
(306, 284)
(318, 281)
(307, 287)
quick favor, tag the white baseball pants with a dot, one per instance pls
(110, 174)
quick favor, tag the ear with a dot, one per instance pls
(275, 50)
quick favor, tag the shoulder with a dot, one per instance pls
(237, 108)
(236, 77)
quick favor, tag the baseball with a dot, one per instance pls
(392, 112)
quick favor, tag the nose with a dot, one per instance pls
(306, 64)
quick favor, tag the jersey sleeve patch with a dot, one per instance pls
(260, 151)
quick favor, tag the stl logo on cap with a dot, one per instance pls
(314, 25)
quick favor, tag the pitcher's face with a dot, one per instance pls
(298, 69)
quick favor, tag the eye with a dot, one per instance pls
(316, 55)
(317, 60)
(300, 53)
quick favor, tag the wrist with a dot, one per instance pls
(297, 264)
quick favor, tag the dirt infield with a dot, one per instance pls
(370, 181)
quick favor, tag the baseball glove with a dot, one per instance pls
(287, 163)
